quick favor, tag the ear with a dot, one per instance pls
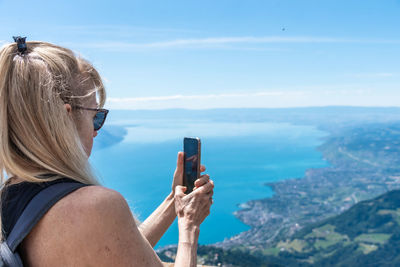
(68, 108)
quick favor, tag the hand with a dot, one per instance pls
(193, 208)
(178, 175)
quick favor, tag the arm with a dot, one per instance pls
(154, 227)
(187, 247)
(191, 209)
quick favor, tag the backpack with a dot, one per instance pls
(31, 215)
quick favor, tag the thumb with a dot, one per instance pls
(178, 175)
(179, 162)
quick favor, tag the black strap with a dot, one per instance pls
(36, 209)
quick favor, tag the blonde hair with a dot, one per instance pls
(39, 139)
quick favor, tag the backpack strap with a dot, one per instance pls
(36, 209)
(31, 215)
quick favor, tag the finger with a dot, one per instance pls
(205, 176)
(202, 168)
(202, 180)
(180, 190)
(205, 188)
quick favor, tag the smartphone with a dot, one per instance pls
(191, 166)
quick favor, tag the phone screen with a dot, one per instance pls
(191, 148)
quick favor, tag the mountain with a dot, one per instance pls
(326, 118)
(109, 135)
(368, 234)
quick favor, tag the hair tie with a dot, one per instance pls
(21, 44)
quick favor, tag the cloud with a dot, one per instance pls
(200, 101)
(215, 42)
(254, 99)
(262, 99)
(218, 41)
(238, 40)
(189, 97)
(223, 41)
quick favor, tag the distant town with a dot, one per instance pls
(363, 151)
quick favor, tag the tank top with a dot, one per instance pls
(16, 197)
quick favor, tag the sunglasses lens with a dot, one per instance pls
(99, 120)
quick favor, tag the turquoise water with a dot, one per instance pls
(240, 158)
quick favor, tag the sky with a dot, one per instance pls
(225, 53)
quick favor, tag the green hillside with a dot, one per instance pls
(368, 234)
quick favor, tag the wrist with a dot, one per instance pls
(188, 234)
(170, 204)
(171, 196)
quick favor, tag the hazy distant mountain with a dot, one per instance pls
(326, 118)
(109, 135)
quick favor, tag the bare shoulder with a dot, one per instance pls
(93, 219)
(92, 200)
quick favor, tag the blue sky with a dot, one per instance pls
(211, 54)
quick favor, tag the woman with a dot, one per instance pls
(50, 111)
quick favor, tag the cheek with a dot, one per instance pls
(89, 125)
(89, 131)
(87, 137)
(86, 130)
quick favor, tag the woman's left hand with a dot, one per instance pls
(178, 175)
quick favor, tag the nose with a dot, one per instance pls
(94, 134)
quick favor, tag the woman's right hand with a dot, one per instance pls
(193, 208)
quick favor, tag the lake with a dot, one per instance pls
(240, 158)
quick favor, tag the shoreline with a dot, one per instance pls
(321, 193)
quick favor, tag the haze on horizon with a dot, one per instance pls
(228, 53)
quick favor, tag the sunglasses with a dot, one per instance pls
(99, 118)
